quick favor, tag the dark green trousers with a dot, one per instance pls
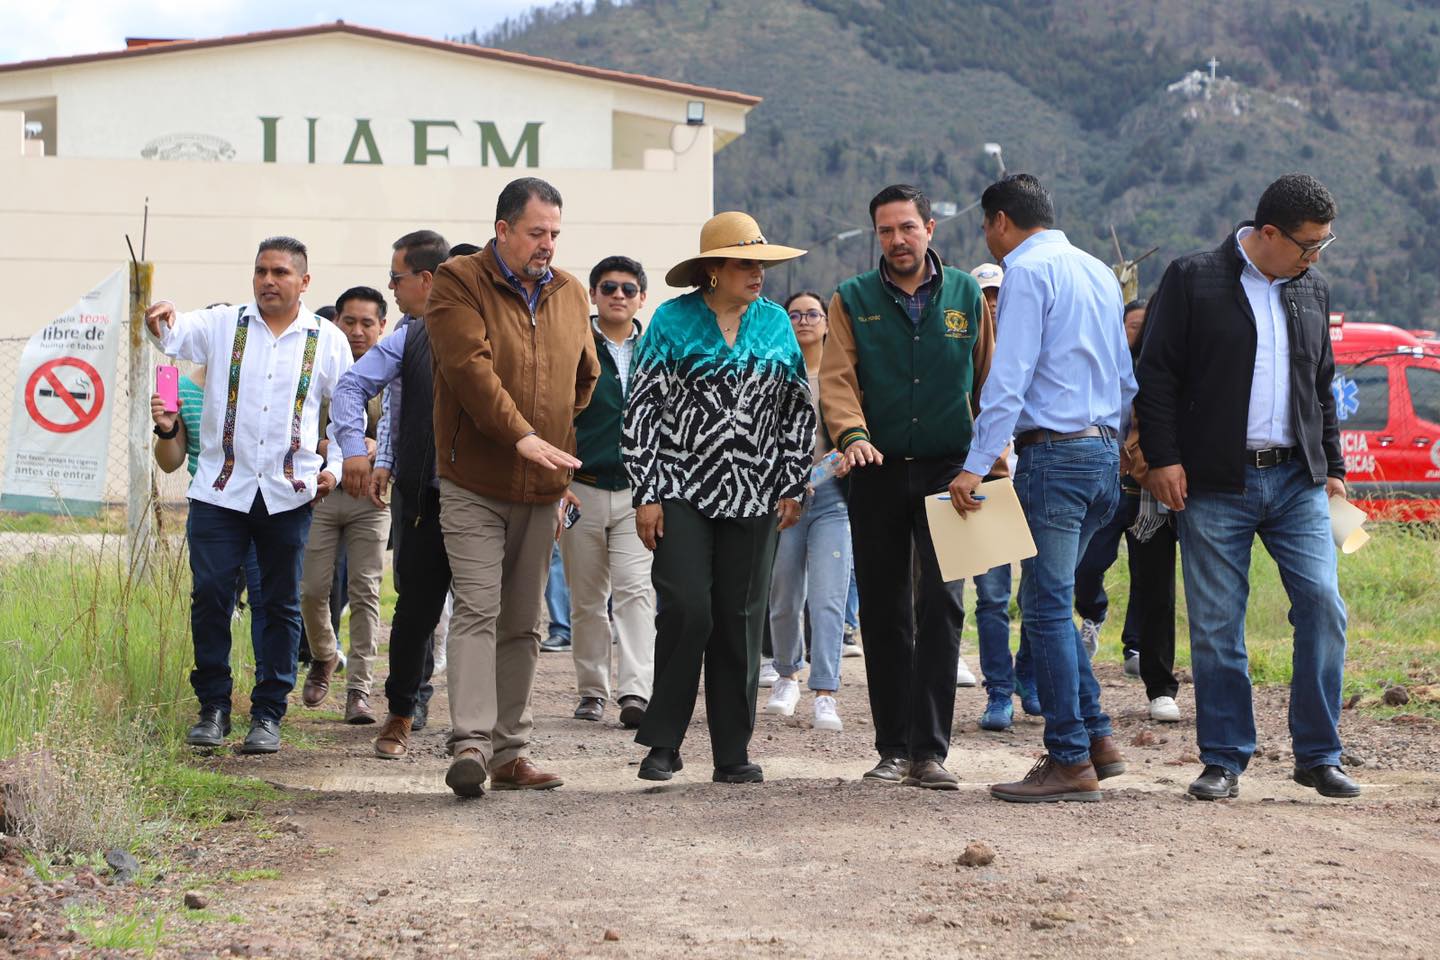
(712, 587)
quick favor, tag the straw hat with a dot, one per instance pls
(734, 236)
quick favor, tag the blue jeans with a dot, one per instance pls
(812, 572)
(852, 603)
(218, 541)
(1069, 489)
(1217, 531)
(557, 596)
(992, 622)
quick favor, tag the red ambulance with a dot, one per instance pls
(1387, 399)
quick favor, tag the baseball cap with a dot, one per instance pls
(988, 274)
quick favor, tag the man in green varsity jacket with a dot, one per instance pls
(908, 351)
(604, 558)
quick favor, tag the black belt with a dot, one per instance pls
(1046, 436)
(1272, 457)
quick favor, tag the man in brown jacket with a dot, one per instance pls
(514, 363)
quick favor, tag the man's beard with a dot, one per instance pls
(902, 271)
(534, 272)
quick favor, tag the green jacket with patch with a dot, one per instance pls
(911, 390)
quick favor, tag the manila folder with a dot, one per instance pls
(994, 535)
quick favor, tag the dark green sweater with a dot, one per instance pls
(917, 381)
(597, 429)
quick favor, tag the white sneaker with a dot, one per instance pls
(1090, 636)
(826, 716)
(783, 698)
(963, 676)
(1165, 710)
(768, 674)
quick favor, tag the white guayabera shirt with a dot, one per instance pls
(260, 426)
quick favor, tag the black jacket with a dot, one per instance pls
(1198, 360)
(414, 442)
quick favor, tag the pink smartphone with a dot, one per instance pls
(167, 384)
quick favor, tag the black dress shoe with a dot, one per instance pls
(264, 737)
(661, 763)
(1328, 781)
(211, 730)
(739, 773)
(420, 717)
(590, 708)
(632, 711)
(888, 770)
(1216, 783)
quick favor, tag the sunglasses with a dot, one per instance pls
(609, 287)
(397, 277)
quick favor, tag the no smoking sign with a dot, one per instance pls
(64, 395)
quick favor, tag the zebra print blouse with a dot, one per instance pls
(729, 430)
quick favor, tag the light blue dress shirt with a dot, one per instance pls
(1061, 361)
(378, 368)
(1269, 422)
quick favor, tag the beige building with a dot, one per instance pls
(343, 136)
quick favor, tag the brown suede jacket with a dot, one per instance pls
(501, 374)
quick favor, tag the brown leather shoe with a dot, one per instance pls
(394, 740)
(1106, 758)
(522, 774)
(466, 775)
(932, 775)
(317, 681)
(357, 708)
(1048, 782)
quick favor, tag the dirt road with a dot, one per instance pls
(378, 860)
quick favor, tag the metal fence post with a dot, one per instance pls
(139, 524)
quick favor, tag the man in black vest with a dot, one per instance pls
(422, 567)
(908, 351)
(606, 564)
(1238, 424)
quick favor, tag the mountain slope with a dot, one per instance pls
(860, 93)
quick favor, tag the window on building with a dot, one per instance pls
(1368, 406)
(1424, 384)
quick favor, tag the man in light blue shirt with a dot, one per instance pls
(1061, 382)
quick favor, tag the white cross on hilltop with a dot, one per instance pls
(1212, 64)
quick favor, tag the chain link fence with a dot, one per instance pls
(23, 535)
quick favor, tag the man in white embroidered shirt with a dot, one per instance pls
(272, 363)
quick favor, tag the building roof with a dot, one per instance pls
(151, 48)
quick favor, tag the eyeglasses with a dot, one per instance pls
(397, 277)
(609, 287)
(806, 316)
(1308, 249)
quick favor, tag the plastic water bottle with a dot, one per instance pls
(826, 468)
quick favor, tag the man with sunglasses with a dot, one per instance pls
(606, 564)
(1238, 424)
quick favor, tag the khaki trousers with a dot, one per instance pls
(603, 558)
(499, 561)
(365, 529)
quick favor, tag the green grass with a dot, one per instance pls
(110, 520)
(250, 876)
(141, 931)
(1391, 588)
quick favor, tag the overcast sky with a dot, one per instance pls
(35, 29)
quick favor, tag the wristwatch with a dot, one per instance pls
(174, 429)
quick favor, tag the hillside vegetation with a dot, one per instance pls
(860, 93)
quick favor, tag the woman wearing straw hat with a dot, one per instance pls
(717, 443)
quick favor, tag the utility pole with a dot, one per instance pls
(138, 524)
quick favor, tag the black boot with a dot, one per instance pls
(211, 730)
